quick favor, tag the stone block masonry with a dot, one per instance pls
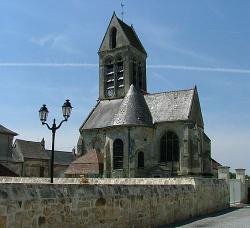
(109, 202)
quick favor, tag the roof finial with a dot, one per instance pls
(122, 13)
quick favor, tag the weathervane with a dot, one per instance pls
(122, 5)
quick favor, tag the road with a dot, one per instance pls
(232, 217)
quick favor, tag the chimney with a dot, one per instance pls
(43, 143)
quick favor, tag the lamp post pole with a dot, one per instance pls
(43, 113)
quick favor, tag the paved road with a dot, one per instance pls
(232, 217)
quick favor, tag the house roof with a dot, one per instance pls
(90, 163)
(215, 164)
(4, 171)
(133, 110)
(131, 35)
(30, 149)
(61, 157)
(4, 130)
(166, 106)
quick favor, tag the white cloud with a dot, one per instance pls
(57, 41)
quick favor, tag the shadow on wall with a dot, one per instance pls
(216, 214)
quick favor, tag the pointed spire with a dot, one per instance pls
(133, 110)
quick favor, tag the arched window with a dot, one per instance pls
(118, 154)
(113, 33)
(163, 148)
(172, 147)
(109, 77)
(169, 147)
(140, 159)
(119, 72)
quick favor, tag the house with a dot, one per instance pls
(62, 160)
(139, 134)
(88, 165)
(34, 159)
(6, 152)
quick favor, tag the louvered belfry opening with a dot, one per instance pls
(118, 154)
(169, 147)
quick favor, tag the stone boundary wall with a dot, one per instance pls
(109, 205)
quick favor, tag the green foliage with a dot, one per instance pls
(232, 175)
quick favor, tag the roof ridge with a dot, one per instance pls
(172, 91)
(27, 141)
(68, 152)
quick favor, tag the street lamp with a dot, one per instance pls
(43, 114)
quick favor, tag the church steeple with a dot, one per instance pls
(122, 61)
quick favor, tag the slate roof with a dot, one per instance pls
(4, 130)
(61, 157)
(90, 163)
(133, 110)
(31, 149)
(166, 106)
(170, 106)
(131, 35)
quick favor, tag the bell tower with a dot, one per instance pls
(122, 61)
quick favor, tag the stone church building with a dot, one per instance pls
(137, 133)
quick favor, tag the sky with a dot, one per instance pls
(48, 53)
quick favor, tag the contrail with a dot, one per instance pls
(196, 68)
(12, 64)
(151, 66)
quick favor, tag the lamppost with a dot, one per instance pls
(43, 114)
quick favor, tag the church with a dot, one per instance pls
(136, 133)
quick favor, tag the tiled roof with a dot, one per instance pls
(132, 36)
(4, 130)
(61, 157)
(30, 149)
(167, 106)
(133, 110)
(90, 163)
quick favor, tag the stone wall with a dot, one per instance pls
(108, 202)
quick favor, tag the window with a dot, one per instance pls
(109, 77)
(113, 37)
(118, 154)
(140, 159)
(119, 73)
(169, 147)
(163, 148)
(41, 171)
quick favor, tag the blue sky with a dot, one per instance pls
(203, 43)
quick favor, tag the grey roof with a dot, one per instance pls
(30, 149)
(132, 36)
(61, 157)
(4, 130)
(170, 106)
(133, 110)
(166, 106)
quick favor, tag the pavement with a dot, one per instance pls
(235, 216)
